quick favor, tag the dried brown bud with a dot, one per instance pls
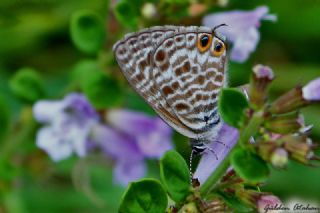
(284, 124)
(261, 78)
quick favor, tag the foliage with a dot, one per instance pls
(49, 49)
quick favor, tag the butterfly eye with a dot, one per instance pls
(204, 43)
(218, 48)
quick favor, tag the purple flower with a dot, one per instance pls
(67, 125)
(208, 163)
(133, 138)
(129, 164)
(153, 136)
(311, 92)
(242, 29)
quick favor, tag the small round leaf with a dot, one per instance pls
(232, 104)
(249, 166)
(144, 196)
(175, 175)
(27, 85)
(87, 31)
(127, 14)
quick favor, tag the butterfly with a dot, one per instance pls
(179, 71)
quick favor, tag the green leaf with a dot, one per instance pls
(144, 196)
(127, 14)
(232, 104)
(27, 85)
(4, 118)
(249, 166)
(175, 175)
(87, 31)
(101, 89)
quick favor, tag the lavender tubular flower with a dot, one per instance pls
(311, 92)
(68, 125)
(242, 31)
(129, 165)
(132, 138)
(208, 162)
(297, 98)
(153, 136)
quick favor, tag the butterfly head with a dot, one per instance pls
(213, 42)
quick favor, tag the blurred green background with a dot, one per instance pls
(36, 34)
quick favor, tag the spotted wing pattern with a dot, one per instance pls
(164, 65)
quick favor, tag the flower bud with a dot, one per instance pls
(215, 205)
(189, 208)
(149, 10)
(249, 197)
(297, 98)
(299, 147)
(285, 124)
(279, 158)
(311, 91)
(265, 149)
(267, 202)
(262, 76)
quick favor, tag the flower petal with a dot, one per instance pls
(128, 171)
(208, 163)
(155, 143)
(244, 45)
(120, 146)
(130, 122)
(81, 105)
(153, 136)
(46, 111)
(311, 91)
(55, 146)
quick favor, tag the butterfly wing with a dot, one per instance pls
(189, 80)
(134, 56)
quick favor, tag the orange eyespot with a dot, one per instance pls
(218, 48)
(204, 42)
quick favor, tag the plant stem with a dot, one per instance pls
(216, 174)
(12, 143)
(245, 134)
(252, 127)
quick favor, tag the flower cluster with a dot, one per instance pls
(277, 133)
(73, 126)
(285, 135)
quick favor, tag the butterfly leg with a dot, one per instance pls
(198, 147)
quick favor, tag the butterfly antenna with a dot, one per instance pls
(218, 26)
